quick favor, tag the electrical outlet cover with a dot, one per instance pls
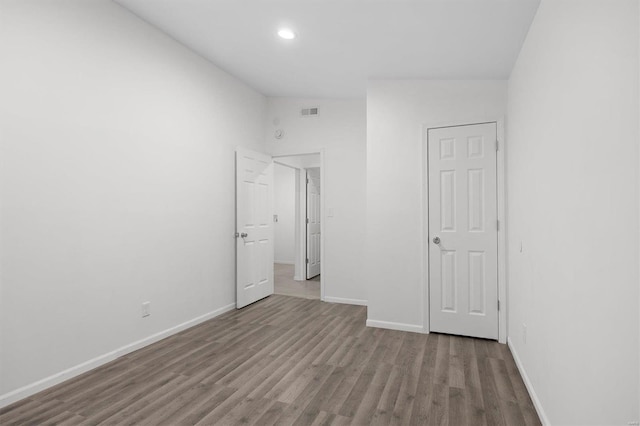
(146, 309)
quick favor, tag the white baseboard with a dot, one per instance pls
(284, 262)
(395, 326)
(527, 383)
(47, 382)
(345, 301)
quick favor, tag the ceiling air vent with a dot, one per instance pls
(309, 112)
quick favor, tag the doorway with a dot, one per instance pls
(297, 211)
(463, 230)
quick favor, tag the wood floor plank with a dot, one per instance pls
(439, 408)
(394, 341)
(456, 363)
(470, 364)
(354, 369)
(475, 405)
(272, 414)
(330, 349)
(140, 408)
(72, 421)
(457, 407)
(511, 412)
(358, 391)
(530, 415)
(286, 361)
(221, 366)
(426, 381)
(60, 418)
(404, 402)
(110, 392)
(219, 410)
(102, 406)
(78, 385)
(266, 385)
(442, 361)
(339, 420)
(199, 411)
(292, 376)
(519, 387)
(492, 407)
(324, 394)
(45, 413)
(31, 413)
(502, 380)
(246, 412)
(372, 395)
(298, 406)
(262, 360)
(387, 401)
(176, 409)
(360, 350)
(17, 409)
(322, 419)
(341, 351)
(301, 381)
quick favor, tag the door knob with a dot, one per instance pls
(436, 240)
(244, 234)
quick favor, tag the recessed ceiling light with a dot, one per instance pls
(286, 34)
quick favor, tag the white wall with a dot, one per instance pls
(285, 207)
(396, 113)
(117, 155)
(573, 203)
(340, 130)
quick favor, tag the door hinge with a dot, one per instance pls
(307, 261)
(307, 220)
(498, 305)
(498, 224)
(497, 144)
(307, 180)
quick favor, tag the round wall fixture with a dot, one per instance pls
(278, 134)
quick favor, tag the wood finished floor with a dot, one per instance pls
(287, 360)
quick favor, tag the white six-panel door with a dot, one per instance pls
(313, 222)
(463, 226)
(254, 221)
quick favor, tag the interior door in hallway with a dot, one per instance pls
(254, 221)
(463, 230)
(313, 222)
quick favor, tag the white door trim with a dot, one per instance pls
(299, 264)
(311, 179)
(323, 203)
(502, 230)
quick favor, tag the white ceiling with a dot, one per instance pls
(342, 43)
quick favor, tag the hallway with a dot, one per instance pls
(285, 284)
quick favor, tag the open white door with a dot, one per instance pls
(313, 222)
(463, 228)
(254, 221)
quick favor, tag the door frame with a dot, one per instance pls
(306, 224)
(321, 151)
(502, 229)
